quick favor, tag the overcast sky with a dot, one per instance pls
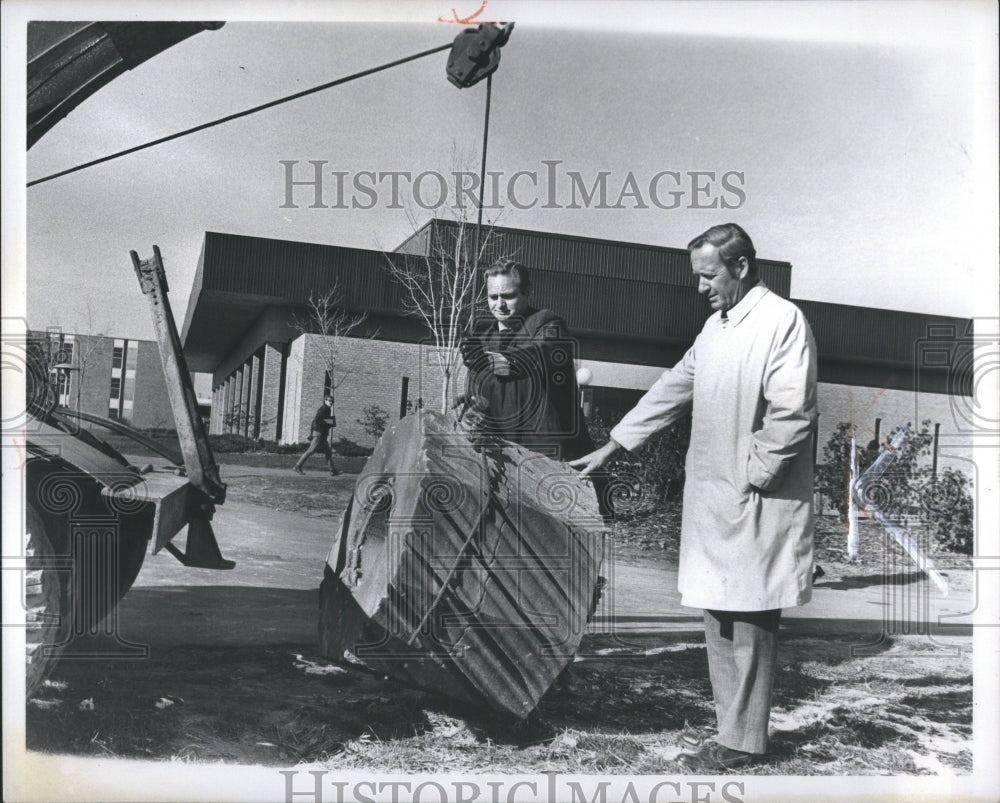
(855, 141)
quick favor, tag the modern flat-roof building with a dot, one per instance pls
(109, 376)
(633, 309)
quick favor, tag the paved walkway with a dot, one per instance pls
(271, 596)
(644, 599)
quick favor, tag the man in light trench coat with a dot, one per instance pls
(747, 533)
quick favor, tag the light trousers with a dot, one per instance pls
(742, 657)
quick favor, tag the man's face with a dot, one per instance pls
(503, 294)
(328, 401)
(724, 290)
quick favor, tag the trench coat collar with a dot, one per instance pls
(736, 315)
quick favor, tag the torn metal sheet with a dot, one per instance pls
(464, 565)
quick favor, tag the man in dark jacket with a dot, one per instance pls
(522, 382)
(319, 437)
(522, 378)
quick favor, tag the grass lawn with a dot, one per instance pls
(905, 710)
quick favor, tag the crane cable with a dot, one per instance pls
(244, 113)
(479, 219)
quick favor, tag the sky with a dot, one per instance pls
(854, 143)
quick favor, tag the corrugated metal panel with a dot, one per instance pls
(599, 304)
(417, 243)
(777, 276)
(590, 302)
(844, 332)
(611, 302)
(454, 581)
(289, 272)
(244, 274)
(619, 260)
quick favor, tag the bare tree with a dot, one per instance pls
(88, 347)
(66, 357)
(329, 316)
(442, 287)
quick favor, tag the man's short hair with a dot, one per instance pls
(732, 242)
(510, 267)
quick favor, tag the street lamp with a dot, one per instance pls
(584, 377)
(66, 369)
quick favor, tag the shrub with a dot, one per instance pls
(159, 432)
(663, 461)
(948, 510)
(234, 443)
(895, 491)
(943, 504)
(374, 420)
(285, 448)
(349, 448)
(645, 480)
(833, 474)
(241, 444)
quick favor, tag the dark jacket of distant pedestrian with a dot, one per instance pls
(319, 436)
(522, 376)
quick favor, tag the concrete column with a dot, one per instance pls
(238, 407)
(222, 409)
(255, 366)
(247, 388)
(270, 393)
(244, 422)
(223, 395)
(230, 400)
(213, 421)
(219, 408)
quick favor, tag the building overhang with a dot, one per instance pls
(240, 277)
(630, 319)
(217, 323)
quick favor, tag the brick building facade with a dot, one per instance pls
(116, 378)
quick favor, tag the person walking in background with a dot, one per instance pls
(746, 533)
(319, 437)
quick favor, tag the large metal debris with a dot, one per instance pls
(464, 565)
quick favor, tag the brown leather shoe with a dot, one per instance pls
(694, 738)
(716, 758)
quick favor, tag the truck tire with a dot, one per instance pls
(47, 603)
(73, 582)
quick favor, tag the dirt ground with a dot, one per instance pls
(846, 703)
(906, 709)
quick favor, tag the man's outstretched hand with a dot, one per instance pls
(590, 463)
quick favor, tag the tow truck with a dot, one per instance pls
(91, 515)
